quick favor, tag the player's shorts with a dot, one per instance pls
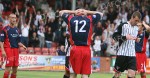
(124, 63)
(80, 60)
(141, 62)
(67, 63)
(12, 57)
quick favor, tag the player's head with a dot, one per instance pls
(140, 26)
(80, 12)
(12, 19)
(135, 18)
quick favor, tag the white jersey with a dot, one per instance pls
(127, 47)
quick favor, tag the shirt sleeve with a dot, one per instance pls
(65, 17)
(96, 17)
(2, 36)
(119, 33)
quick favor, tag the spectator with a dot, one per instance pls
(97, 46)
(6, 21)
(147, 17)
(1, 8)
(34, 41)
(37, 18)
(41, 36)
(61, 51)
(98, 29)
(25, 31)
(48, 37)
(32, 29)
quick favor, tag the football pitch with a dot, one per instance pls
(50, 74)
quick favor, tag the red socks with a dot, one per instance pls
(13, 76)
(143, 76)
(6, 75)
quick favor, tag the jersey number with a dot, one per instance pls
(82, 27)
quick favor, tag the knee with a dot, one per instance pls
(131, 75)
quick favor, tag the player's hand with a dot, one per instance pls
(143, 23)
(129, 37)
(138, 39)
(3, 54)
(24, 47)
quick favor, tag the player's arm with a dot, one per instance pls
(119, 34)
(21, 45)
(2, 37)
(146, 26)
(2, 49)
(93, 12)
(66, 11)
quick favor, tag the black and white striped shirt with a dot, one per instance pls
(126, 47)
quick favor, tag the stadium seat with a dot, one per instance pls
(37, 50)
(23, 52)
(45, 51)
(52, 51)
(30, 50)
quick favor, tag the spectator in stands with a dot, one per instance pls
(98, 29)
(61, 51)
(34, 41)
(147, 17)
(25, 31)
(1, 8)
(32, 30)
(6, 21)
(41, 34)
(58, 4)
(38, 17)
(97, 46)
(48, 37)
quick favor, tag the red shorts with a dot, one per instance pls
(12, 57)
(141, 62)
(80, 60)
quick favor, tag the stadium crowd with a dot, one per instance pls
(41, 26)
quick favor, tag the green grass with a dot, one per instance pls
(41, 74)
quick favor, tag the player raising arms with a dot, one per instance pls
(140, 47)
(80, 28)
(10, 42)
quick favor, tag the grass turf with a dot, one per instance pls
(41, 74)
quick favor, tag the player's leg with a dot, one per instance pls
(15, 62)
(73, 75)
(86, 62)
(67, 73)
(14, 72)
(131, 73)
(143, 75)
(131, 67)
(9, 62)
(7, 71)
(120, 66)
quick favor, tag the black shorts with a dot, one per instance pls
(124, 63)
(67, 63)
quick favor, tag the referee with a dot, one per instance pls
(126, 34)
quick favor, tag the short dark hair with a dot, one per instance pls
(137, 14)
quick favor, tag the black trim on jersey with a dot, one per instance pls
(117, 34)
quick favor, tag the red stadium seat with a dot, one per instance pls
(23, 52)
(45, 50)
(30, 50)
(53, 51)
(37, 50)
